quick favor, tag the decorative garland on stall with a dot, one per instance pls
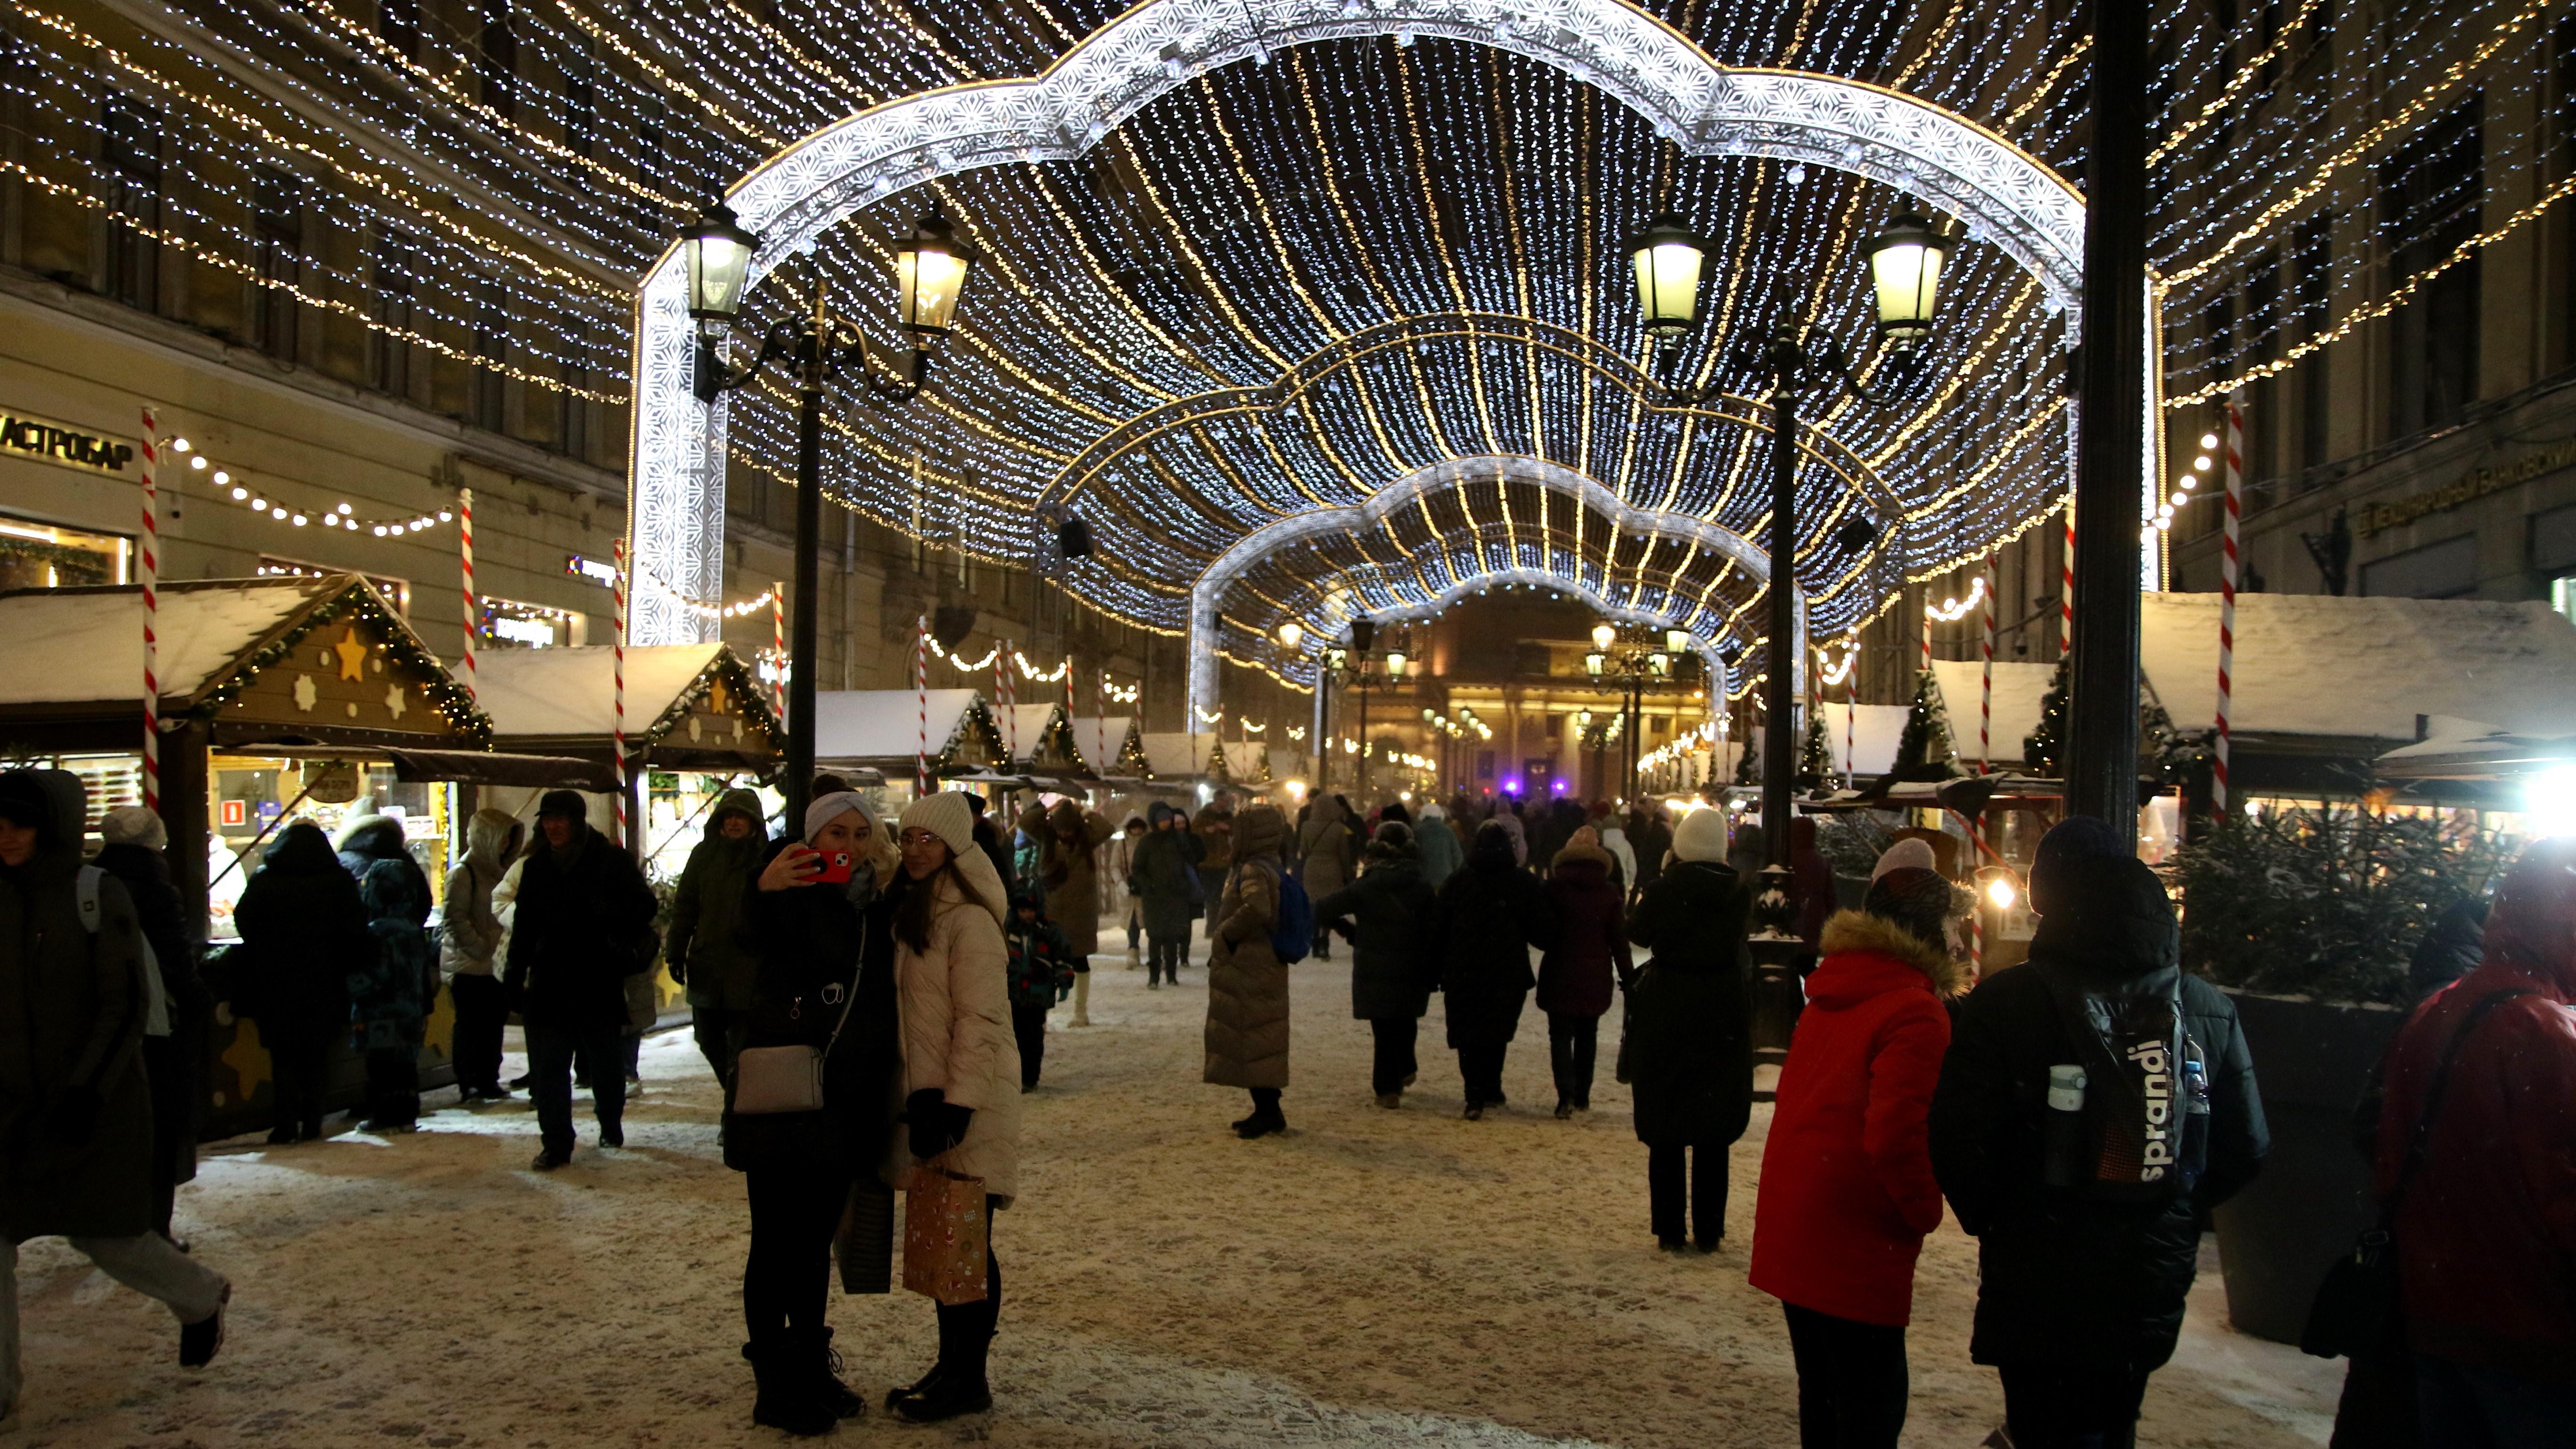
(359, 604)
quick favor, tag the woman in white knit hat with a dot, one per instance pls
(961, 1066)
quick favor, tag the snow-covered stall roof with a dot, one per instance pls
(1177, 756)
(2313, 664)
(1102, 738)
(2456, 748)
(571, 692)
(2019, 688)
(870, 725)
(1031, 721)
(1880, 726)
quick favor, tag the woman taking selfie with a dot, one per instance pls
(819, 922)
(961, 1067)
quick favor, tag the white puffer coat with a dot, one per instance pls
(952, 1005)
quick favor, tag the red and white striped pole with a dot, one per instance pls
(2235, 445)
(617, 733)
(1986, 679)
(1100, 726)
(778, 648)
(1005, 696)
(1927, 626)
(2066, 585)
(473, 603)
(150, 574)
(921, 693)
(1851, 712)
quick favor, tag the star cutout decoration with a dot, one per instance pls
(305, 693)
(353, 655)
(394, 700)
(716, 701)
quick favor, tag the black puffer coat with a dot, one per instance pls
(810, 943)
(306, 934)
(1491, 913)
(371, 838)
(2065, 1277)
(584, 924)
(1688, 1047)
(1393, 917)
(1164, 873)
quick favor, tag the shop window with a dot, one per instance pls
(2431, 194)
(509, 624)
(277, 261)
(130, 148)
(41, 556)
(2312, 258)
(2562, 595)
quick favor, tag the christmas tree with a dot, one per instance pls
(1816, 758)
(1748, 765)
(1923, 752)
(1216, 767)
(2045, 748)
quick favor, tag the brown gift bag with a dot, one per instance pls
(944, 1247)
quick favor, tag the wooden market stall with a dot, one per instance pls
(882, 729)
(1041, 743)
(1115, 745)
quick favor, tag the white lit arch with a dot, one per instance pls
(677, 454)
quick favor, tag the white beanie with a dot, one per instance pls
(946, 815)
(1904, 853)
(829, 808)
(133, 825)
(1701, 835)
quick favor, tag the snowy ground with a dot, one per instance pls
(1370, 1278)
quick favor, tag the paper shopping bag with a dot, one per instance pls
(944, 1249)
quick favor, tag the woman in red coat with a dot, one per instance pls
(1847, 1189)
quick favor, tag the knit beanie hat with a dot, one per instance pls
(946, 815)
(134, 825)
(1913, 897)
(1701, 836)
(828, 808)
(1393, 833)
(1903, 855)
(2075, 838)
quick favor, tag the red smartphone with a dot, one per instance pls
(836, 868)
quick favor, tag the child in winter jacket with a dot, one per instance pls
(1041, 973)
(390, 994)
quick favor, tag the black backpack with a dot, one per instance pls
(2141, 1131)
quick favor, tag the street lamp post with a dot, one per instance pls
(930, 275)
(1634, 670)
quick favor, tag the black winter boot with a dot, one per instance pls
(788, 1367)
(834, 1394)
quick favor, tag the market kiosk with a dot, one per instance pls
(883, 730)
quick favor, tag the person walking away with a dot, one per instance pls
(1389, 915)
(1847, 1193)
(469, 944)
(305, 931)
(1507, 818)
(2087, 1215)
(1324, 857)
(1687, 1052)
(1623, 857)
(389, 998)
(1437, 846)
(1164, 877)
(2477, 1158)
(1041, 973)
(823, 978)
(960, 1071)
(1247, 1012)
(583, 924)
(174, 1054)
(1491, 913)
(76, 1142)
(1588, 951)
(1651, 837)
(1214, 829)
(1119, 876)
(1068, 837)
(705, 950)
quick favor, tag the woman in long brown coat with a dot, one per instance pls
(1069, 839)
(1247, 1015)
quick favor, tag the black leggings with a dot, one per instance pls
(966, 1329)
(1028, 1024)
(787, 1277)
(1706, 1171)
(1572, 1044)
(1164, 958)
(299, 1065)
(1393, 1060)
(1851, 1380)
(2057, 1406)
(1481, 1069)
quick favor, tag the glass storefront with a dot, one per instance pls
(41, 556)
(251, 797)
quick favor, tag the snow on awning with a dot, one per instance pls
(571, 693)
(1174, 755)
(2019, 689)
(884, 726)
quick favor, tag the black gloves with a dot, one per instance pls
(74, 1119)
(935, 1125)
(679, 967)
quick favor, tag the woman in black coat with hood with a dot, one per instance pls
(306, 933)
(1390, 917)
(1688, 1048)
(1491, 913)
(174, 1059)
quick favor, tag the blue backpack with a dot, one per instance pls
(1294, 936)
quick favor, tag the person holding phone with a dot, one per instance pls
(817, 922)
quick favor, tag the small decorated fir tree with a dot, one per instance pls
(1816, 756)
(1748, 765)
(2043, 752)
(1216, 766)
(1924, 751)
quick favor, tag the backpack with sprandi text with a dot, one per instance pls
(2144, 1118)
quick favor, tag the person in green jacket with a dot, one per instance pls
(704, 952)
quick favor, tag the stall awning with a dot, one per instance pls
(470, 767)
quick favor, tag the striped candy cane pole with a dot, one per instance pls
(1100, 726)
(921, 694)
(2066, 584)
(617, 733)
(1851, 712)
(778, 647)
(2235, 444)
(473, 604)
(1002, 693)
(1986, 679)
(1927, 626)
(151, 578)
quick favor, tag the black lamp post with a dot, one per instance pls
(1634, 669)
(930, 275)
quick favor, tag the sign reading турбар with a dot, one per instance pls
(54, 443)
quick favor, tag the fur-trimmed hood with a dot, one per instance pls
(1581, 852)
(1852, 932)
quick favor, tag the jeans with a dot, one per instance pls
(1028, 1024)
(966, 1329)
(1393, 1060)
(719, 1033)
(551, 1049)
(2060, 1406)
(787, 1275)
(1851, 1380)
(393, 1086)
(1572, 1044)
(145, 1263)
(1706, 1171)
(2471, 1406)
(1481, 1068)
(1164, 959)
(481, 1010)
(300, 1068)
